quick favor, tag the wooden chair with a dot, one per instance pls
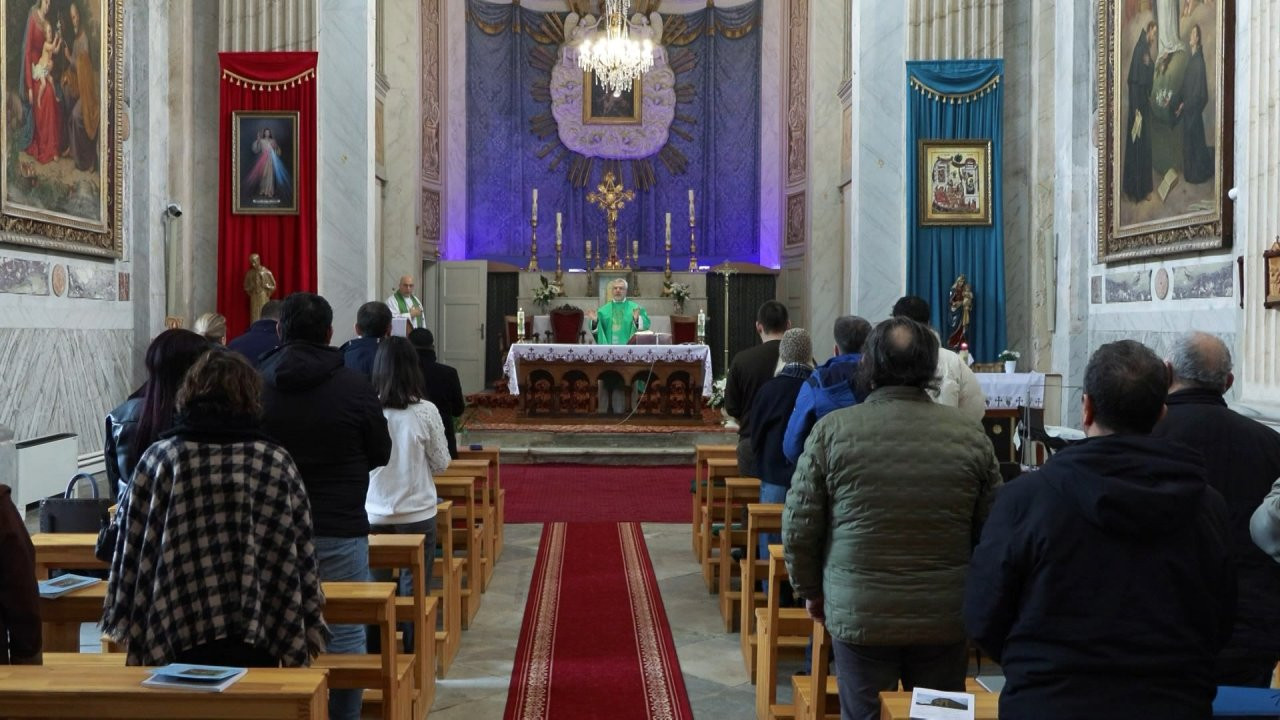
(33, 691)
(566, 325)
(739, 493)
(762, 518)
(701, 454)
(778, 630)
(684, 329)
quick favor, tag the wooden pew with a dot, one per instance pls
(718, 470)
(701, 454)
(761, 518)
(897, 705)
(449, 569)
(491, 454)
(405, 552)
(486, 515)
(116, 692)
(739, 492)
(778, 630)
(467, 539)
(815, 696)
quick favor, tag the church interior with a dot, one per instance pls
(1048, 176)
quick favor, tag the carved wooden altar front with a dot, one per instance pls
(667, 381)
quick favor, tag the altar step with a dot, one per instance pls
(597, 448)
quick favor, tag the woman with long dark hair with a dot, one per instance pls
(214, 560)
(402, 493)
(139, 420)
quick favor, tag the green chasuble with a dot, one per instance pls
(614, 325)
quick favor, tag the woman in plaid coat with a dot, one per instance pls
(214, 561)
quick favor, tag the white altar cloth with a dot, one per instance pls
(1010, 391)
(606, 354)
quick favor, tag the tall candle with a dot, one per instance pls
(690, 204)
(535, 203)
(557, 231)
(668, 242)
(588, 252)
(519, 322)
(635, 249)
(702, 323)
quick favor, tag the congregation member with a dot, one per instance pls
(214, 562)
(830, 387)
(261, 337)
(880, 520)
(1103, 582)
(328, 417)
(441, 385)
(402, 494)
(141, 419)
(373, 323)
(404, 304)
(957, 386)
(21, 640)
(749, 369)
(1241, 460)
(769, 416)
(212, 327)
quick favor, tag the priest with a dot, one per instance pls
(404, 304)
(617, 320)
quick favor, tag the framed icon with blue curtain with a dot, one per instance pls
(264, 153)
(955, 182)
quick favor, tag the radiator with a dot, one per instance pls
(45, 465)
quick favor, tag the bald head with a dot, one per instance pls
(406, 285)
(1200, 360)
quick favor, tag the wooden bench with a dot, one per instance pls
(406, 552)
(116, 692)
(815, 696)
(778, 630)
(701, 454)
(718, 470)
(762, 518)
(491, 454)
(467, 539)
(486, 514)
(449, 569)
(738, 493)
(897, 705)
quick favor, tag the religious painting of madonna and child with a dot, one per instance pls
(265, 157)
(60, 185)
(955, 182)
(1165, 132)
(601, 107)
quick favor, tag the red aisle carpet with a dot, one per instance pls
(597, 493)
(595, 641)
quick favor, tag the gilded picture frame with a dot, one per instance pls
(264, 162)
(1165, 93)
(1271, 281)
(62, 181)
(954, 182)
(600, 107)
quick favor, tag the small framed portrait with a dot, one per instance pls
(601, 107)
(1271, 259)
(264, 156)
(955, 182)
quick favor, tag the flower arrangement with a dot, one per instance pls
(542, 296)
(679, 294)
(717, 392)
(1009, 355)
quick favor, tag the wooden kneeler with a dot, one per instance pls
(739, 493)
(762, 518)
(778, 630)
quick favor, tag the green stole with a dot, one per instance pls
(404, 308)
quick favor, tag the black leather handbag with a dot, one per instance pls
(72, 514)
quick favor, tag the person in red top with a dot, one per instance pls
(20, 639)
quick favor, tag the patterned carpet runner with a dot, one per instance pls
(596, 493)
(595, 641)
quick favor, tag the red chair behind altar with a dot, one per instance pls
(566, 325)
(684, 329)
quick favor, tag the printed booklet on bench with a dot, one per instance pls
(64, 584)
(201, 678)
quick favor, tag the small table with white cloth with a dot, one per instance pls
(1015, 403)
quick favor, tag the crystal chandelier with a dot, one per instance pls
(611, 55)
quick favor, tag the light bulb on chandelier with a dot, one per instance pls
(611, 55)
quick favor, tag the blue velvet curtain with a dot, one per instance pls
(958, 99)
(717, 131)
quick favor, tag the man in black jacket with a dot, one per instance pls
(444, 389)
(329, 419)
(1103, 582)
(750, 369)
(373, 322)
(1241, 460)
(261, 337)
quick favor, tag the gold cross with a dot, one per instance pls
(611, 197)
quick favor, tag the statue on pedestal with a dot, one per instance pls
(259, 283)
(961, 307)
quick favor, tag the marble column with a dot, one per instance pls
(401, 131)
(826, 239)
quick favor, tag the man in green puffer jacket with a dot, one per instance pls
(885, 506)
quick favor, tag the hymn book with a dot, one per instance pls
(198, 678)
(64, 584)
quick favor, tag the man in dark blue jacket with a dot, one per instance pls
(1241, 460)
(261, 337)
(373, 322)
(830, 387)
(1103, 582)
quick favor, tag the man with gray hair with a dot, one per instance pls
(772, 408)
(1241, 460)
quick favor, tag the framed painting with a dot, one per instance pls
(62, 66)
(955, 182)
(601, 107)
(264, 157)
(1165, 93)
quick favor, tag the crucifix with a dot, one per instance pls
(610, 197)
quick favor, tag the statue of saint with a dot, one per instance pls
(961, 306)
(259, 283)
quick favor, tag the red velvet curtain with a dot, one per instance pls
(287, 243)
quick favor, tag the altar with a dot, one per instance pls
(555, 380)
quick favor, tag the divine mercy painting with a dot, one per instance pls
(1166, 126)
(265, 157)
(58, 133)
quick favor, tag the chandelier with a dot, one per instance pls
(611, 55)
